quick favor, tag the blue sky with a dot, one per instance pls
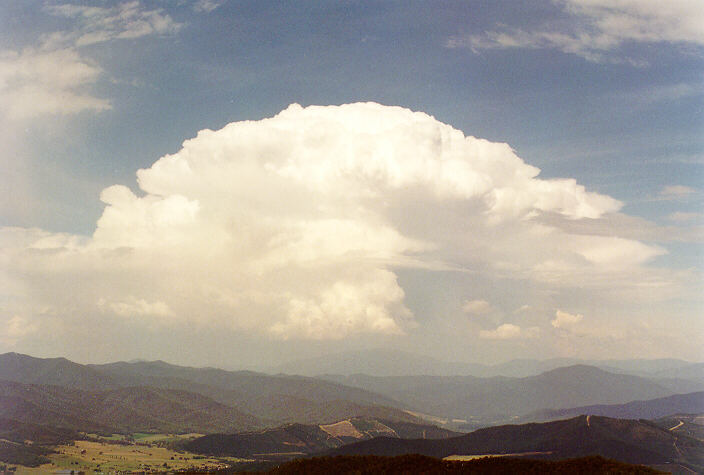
(607, 93)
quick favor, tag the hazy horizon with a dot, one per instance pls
(238, 184)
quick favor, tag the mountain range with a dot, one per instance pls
(486, 400)
(245, 400)
(263, 416)
(256, 399)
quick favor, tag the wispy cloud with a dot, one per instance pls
(683, 216)
(674, 192)
(207, 6)
(99, 24)
(598, 27)
(631, 227)
(135, 308)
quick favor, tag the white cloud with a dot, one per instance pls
(598, 27)
(476, 307)
(35, 83)
(509, 331)
(55, 77)
(566, 320)
(293, 227)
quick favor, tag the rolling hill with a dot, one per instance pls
(624, 440)
(692, 403)
(21, 454)
(691, 425)
(298, 439)
(17, 431)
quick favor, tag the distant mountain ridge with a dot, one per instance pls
(692, 403)
(383, 362)
(487, 399)
(53, 371)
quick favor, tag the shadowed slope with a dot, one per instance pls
(120, 410)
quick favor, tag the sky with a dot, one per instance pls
(241, 183)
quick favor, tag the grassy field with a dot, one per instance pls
(467, 458)
(147, 437)
(88, 456)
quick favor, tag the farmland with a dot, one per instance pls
(111, 457)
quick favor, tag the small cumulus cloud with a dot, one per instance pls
(37, 82)
(476, 307)
(566, 320)
(509, 331)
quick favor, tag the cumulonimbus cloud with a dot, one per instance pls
(294, 226)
